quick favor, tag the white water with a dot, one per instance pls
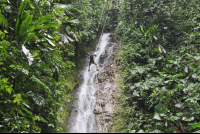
(84, 121)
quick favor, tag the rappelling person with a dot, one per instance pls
(113, 3)
(92, 57)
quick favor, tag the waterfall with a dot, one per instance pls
(82, 118)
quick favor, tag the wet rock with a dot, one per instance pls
(106, 83)
(108, 119)
(102, 104)
(110, 45)
(96, 112)
(109, 114)
(106, 79)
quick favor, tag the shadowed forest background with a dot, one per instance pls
(43, 44)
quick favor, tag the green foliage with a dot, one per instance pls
(3, 21)
(160, 62)
(40, 47)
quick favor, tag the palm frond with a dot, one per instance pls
(25, 24)
(23, 5)
(44, 19)
(3, 21)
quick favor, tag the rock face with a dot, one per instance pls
(106, 81)
(100, 120)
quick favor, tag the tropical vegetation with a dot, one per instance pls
(42, 43)
(160, 64)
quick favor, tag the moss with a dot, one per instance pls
(119, 59)
(119, 124)
(118, 118)
(71, 84)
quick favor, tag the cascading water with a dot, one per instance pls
(83, 118)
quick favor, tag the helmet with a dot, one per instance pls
(94, 54)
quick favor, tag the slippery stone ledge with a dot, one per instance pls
(107, 84)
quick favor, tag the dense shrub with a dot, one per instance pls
(160, 63)
(41, 42)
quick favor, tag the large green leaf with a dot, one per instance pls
(156, 117)
(38, 99)
(188, 119)
(160, 108)
(195, 125)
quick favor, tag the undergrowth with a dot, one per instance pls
(160, 67)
